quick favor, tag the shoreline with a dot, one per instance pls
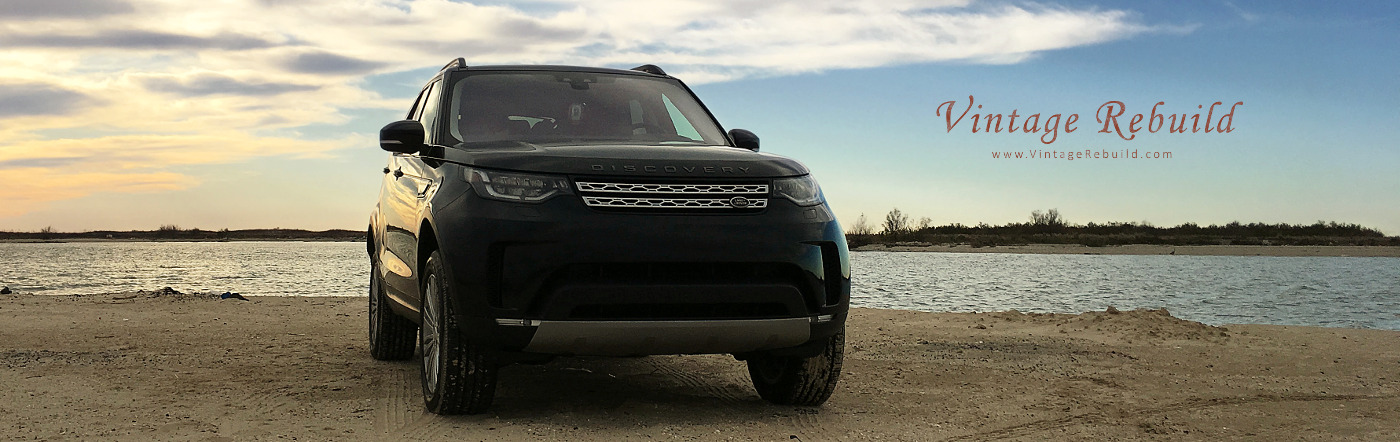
(1027, 249)
(157, 365)
(91, 240)
(1147, 249)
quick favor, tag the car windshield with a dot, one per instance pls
(573, 107)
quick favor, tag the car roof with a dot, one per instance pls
(555, 68)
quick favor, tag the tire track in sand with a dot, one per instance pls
(394, 404)
(1040, 426)
(707, 386)
(807, 424)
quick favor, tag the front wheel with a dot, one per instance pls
(802, 381)
(459, 375)
(390, 336)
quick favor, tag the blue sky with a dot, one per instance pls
(249, 114)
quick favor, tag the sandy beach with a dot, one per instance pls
(1147, 249)
(142, 367)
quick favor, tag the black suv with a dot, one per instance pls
(529, 212)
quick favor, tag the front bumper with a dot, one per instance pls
(559, 277)
(628, 338)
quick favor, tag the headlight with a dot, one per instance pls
(518, 187)
(802, 190)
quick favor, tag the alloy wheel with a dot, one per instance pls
(432, 348)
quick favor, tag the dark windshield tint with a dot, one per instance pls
(566, 107)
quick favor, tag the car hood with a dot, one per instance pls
(628, 160)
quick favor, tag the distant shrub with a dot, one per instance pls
(861, 227)
(1050, 227)
(896, 223)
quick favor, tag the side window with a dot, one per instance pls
(429, 114)
(414, 111)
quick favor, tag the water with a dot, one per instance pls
(1323, 291)
(246, 267)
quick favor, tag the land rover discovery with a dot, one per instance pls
(530, 212)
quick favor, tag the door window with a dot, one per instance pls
(429, 114)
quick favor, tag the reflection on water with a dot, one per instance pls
(1326, 291)
(1336, 292)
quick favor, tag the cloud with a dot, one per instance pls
(25, 163)
(716, 39)
(31, 99)
(40, 171)
(143, 152)
(713, 40)
(214, 84)
(190, 83)
(328, 63)
(133, 39)
(30, 189)
(723, 41)
(1245, 15)
(31, 9)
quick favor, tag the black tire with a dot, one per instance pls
(796, 380)
(458, 376)
(391, 337)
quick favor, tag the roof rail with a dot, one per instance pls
(459, 63)
(650, 69)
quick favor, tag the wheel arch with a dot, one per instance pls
(370, 240)
(427, 243)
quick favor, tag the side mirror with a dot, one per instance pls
(404, 136)
(745, 139)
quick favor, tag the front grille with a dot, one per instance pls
(673, 196)
(668, 203)
(585, 186)
(674, 291)
(643, 273)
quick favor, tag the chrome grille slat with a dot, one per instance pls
(669, 203)
(745, 189)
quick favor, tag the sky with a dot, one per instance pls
(133, 114)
